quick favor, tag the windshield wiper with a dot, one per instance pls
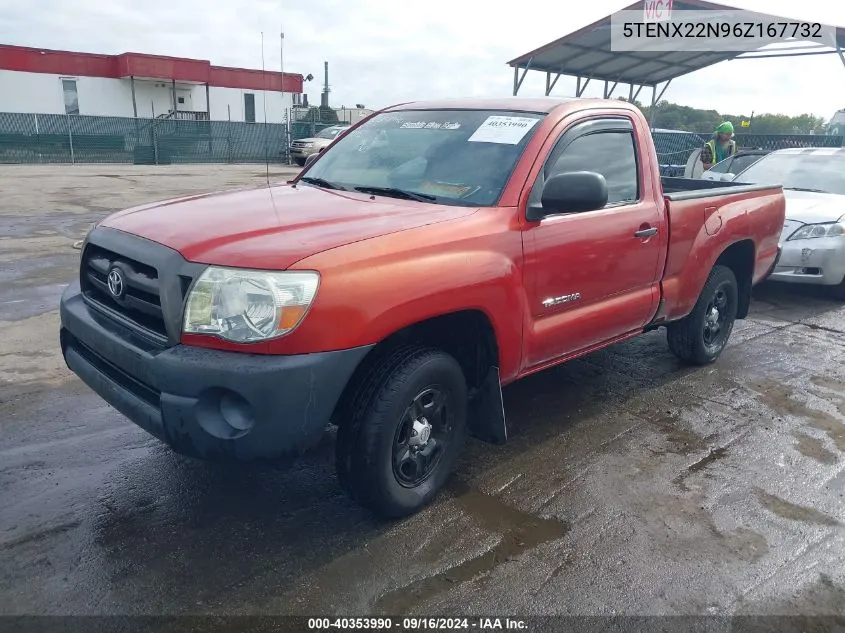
(397, 193)
(321, 182)
(805, 189)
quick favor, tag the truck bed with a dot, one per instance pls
(702, 216)
(677, 189)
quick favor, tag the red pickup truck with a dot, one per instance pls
(435, 252)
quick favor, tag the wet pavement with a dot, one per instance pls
(631, 484)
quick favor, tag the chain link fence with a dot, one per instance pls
(57, 138)
(674, 148)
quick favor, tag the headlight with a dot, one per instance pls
(827, 229)
(249, 305)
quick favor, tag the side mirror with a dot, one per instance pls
(311, 159)
(571, 192)
(728, 177)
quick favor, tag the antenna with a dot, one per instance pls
(266, 140)
(264, 93)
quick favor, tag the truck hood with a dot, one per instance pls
(808, 207)
(273, 227)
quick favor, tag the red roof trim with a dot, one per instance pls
(36, 60)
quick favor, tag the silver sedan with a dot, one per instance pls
(813, 236)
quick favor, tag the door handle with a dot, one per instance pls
(646, 232)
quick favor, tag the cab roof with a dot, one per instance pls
(539, 105)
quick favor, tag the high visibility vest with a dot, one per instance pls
(713, 153)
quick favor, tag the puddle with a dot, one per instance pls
(813, 448)
(714, 455)
(794, 512)
(777, 397)
(29, 302)
(521, 532)
(683, 440)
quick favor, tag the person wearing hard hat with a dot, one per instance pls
(720, 146)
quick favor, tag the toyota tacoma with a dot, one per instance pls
(434, 253)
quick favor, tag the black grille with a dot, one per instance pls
(140, 300)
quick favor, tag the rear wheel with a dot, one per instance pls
(701, 336)
(402, 431)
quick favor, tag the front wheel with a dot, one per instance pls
(701, 336)
(403, 432)
(299, 161)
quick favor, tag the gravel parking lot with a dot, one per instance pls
(631, 484)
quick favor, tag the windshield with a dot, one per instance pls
(329, 132)
(447, 156)
(818, 171)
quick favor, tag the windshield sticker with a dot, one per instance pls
(508, 130)
(430, 125)
(447, 189)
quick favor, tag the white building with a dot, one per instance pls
(352, 115)
(41, 81)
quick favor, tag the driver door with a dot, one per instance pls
(592, 276)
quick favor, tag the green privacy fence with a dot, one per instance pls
(56, 138)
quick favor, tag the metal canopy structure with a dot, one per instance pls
(586, 54)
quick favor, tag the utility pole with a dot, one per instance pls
(282, 62)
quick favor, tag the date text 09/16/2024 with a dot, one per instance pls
(418, 624)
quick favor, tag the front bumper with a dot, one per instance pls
(819, 261)
(303, 152)
(205, 403)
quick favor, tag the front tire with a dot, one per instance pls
(299, 161)
(403, 431)
(701, 336)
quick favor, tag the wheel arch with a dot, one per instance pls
(740, 258)
(467, 335)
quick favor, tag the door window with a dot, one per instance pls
(611, 154)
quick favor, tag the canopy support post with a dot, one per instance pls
(550, 85)
(609, 93)
(580, 88)
(655, 97)
(517, 80)
(665, 86)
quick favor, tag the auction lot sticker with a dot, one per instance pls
(507, 130)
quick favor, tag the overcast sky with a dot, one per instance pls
(382, 52)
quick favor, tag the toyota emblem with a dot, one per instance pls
(116, 285)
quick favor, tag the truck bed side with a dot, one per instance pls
(705, 220)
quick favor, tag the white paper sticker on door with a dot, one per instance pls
(508, 130)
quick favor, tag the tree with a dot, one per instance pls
(677, 117)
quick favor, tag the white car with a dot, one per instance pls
(813, 237)
(726, 170)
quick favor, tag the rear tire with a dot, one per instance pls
(701, 336)
(393, 454)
